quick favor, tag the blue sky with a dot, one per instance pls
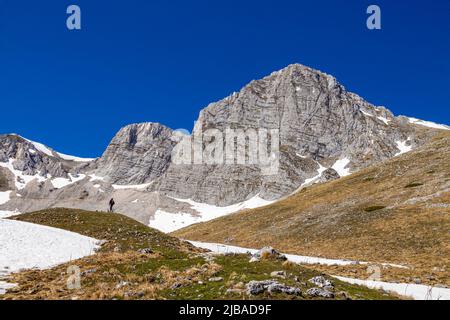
(163, 61)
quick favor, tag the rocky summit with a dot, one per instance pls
(317, 130)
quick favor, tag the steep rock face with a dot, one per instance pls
(317, 119)
(25, 157)
(139, 153)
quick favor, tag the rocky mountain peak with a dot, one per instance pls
(137, 154)
(322, 131)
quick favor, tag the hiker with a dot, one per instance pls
(111, 205)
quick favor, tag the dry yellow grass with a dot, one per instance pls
(111, 269)
(397, 211)
(172, 269)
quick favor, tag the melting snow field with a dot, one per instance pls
(59, 183)
(21, 180)
(44, 149)
(428, 124)
(341, 167)
(126, 187)
(169, 222)
(418, 292)
(403, 147)
(4, 197)
(73, 158)
(27, 246)
(7, 214)
(222, 249)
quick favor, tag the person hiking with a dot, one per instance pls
(111, 205)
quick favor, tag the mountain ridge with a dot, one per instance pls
(325, 132)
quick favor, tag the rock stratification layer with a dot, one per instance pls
(139, 153)
(318, 132)
(319, 124)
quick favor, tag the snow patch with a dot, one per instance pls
(366, 113)
(416, 291)
(428, 124)
(28, 246)
(5, 286)
(49, 152)
(223, 249)
(341, 167)
(169, 222)
(403, 147)
(95, 178)
(20, 179)
(135, 186)
(42, 148)
(59, 183)
(385, 120)
(73, 158)
(315, 178)
(5, 196)
(7, 214)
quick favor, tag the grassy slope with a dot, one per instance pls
(151, 276)
(397, 211)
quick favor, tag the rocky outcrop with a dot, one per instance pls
(258, 287)
(329, 175)
(25, 157)
(139, 153)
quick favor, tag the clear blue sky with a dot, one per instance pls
(163, 61)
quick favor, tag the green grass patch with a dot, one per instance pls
(159, 272)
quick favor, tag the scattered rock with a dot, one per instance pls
(344, 295)
(329, 175)
(121, 284)
(176, 286)
(87, 272)
(145, 251)
(280, 288)
(216, 279)
(134, 294)
(320, 292)
(267, 253)
(321, 282)
(257, 287)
